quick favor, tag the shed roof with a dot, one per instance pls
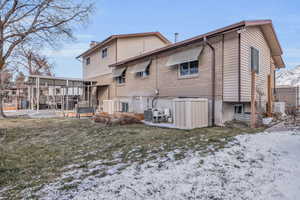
(267, 28)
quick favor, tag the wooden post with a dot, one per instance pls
(253, 99)
(38, 94)
(270, 97)
(67, 96)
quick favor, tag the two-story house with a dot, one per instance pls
(97, 59)
(218, 65)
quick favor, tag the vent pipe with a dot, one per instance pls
(176, 37)
(93, 43)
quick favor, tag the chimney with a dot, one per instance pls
(93, 43)
(176, 37)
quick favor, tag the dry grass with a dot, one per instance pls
(34, 152)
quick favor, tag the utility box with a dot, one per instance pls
(190, 113)
(279, 107)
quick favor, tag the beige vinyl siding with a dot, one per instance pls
(137, 86)
(129, 47)
(253, 37)
(231, 67)
(98, 65)
(168, 81)
(119, 49)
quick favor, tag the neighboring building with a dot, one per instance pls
(288, 94)
(216, 65)
(56, 92)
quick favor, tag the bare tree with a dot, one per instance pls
(20, 80)
(31, 62)
(23, 22)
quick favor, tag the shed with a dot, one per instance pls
(190, 113)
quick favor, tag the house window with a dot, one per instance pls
(189, 68)
(104, 53)
(144, 73)
(238, 109)
(125, 107)
(88, 61)
(254, 60)
(122, 79)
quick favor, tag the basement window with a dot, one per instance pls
(189, 68)
(104, 52)
(254, 60)
(238, 109)
(125, 107)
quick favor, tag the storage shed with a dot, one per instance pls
(190, 113)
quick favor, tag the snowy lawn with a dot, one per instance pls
(263, 166)
(78, 159)
(65, 154)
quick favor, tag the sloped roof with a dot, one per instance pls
(113, 37)
(267, 28)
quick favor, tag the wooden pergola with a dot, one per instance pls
(67, 87)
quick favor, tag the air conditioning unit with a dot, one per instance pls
(279, 107)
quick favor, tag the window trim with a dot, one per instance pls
(102, 52)
(88, 61)
(243, 108)
(257, 71)
(127, 107)
(189, 70)
(144, 74)
(122, 77)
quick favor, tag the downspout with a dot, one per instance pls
(274, 80)
(213, 78)
(239, 68)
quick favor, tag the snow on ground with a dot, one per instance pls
(261, 166)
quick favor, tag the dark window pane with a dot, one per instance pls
(184, 69)
(125, 107)
(254, 60)
(238, 109)
(88, 61)
(194, 67)
(104, 53)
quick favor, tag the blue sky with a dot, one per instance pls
(187, 17)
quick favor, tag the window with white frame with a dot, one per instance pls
(189, 68)
(121, 79)
(254, 59)
(88, 61)
(124, 106)
(145, 73)
(238, 109)
(104, 52)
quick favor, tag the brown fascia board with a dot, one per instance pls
(182, 43)
(197, 38)
(113, 37)
(265, 22)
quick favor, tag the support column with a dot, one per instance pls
(38, 94)
(67, 96)
(253, 99)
